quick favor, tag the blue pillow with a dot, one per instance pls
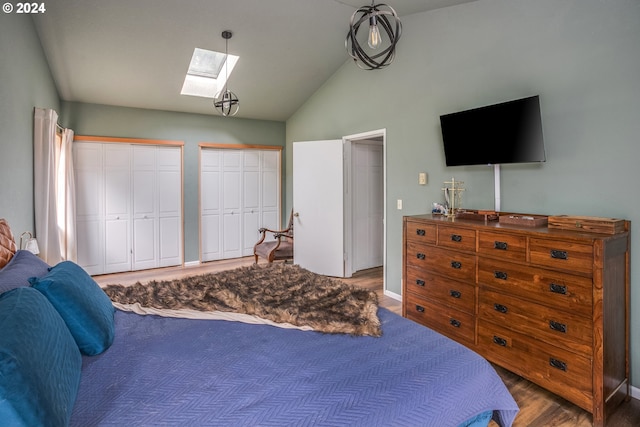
(22, 266)
(83, 305)
(39, 362)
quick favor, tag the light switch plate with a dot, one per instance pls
(422, 178)
(399, 204)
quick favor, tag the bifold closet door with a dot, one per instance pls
(129, 206)
(239, 193)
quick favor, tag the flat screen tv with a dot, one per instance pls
(509, 132)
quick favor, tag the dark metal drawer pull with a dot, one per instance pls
(500, 245)
(419, 309)
(557, 326)
(419, 282)
(558, 364)
(500, 275)
(558, 289)
(501, 308)
(499, 341)
(455, 294)
(420, 232)
(558, 254)
(420, 256)
(456, 238)
(456, 265)
(455, 323)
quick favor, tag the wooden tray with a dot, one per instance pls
(590, 224)
(477, 215)
(523, 219)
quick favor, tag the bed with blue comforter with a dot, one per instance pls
(67, 357)
(184, 372)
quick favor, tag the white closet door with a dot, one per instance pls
(129, 199)
(239, 194)
(250, 200)
(145, 212)
(169, 184)
(117, 184)
(210, 204)
(232, 204)
(89, 207)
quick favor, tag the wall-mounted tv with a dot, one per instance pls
(509, 132)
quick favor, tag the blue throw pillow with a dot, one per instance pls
(83, 305)
(22, 266)
(39, 362)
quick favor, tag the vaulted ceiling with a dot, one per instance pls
(135, 53)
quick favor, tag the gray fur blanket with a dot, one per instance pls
(278, 292)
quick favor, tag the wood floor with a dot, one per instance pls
(538, 407)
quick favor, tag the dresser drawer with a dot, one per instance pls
(504, 246)
(575, 257)
(420, 232)
(441, 318)
(463, 239)
(439, 289)
(444, 262)
(558, 370)
(563, 291)
(562, 328)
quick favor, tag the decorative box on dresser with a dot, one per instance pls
(550, 305)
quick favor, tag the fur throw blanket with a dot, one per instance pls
(278, 292)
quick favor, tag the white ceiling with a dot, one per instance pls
(135, 53)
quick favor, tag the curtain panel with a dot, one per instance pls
(54, 189)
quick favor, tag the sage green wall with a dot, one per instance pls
(192, 129)
(580, 56)
(25, 83)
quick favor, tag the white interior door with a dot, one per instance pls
(367, 186)
(318, 204)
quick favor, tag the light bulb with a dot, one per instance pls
(375, 39)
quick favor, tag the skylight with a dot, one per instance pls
(207, 73)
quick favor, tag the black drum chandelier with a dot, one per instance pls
(226, 102)
(382, 50)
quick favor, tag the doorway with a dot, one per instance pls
(365, 231)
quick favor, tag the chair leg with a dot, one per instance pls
(256, 257)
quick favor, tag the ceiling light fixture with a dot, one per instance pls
(226, 102)
(377, 15)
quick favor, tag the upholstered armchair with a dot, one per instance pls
(279, 249)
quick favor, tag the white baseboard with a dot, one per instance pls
(393, 295)
(635, 392)
(192, 263)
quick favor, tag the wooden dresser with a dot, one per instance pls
(549, 305)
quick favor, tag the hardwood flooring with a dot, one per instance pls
(538, 407)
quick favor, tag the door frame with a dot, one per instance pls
(348, 199)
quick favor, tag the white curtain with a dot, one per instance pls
(66, 196)
(54, 189)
